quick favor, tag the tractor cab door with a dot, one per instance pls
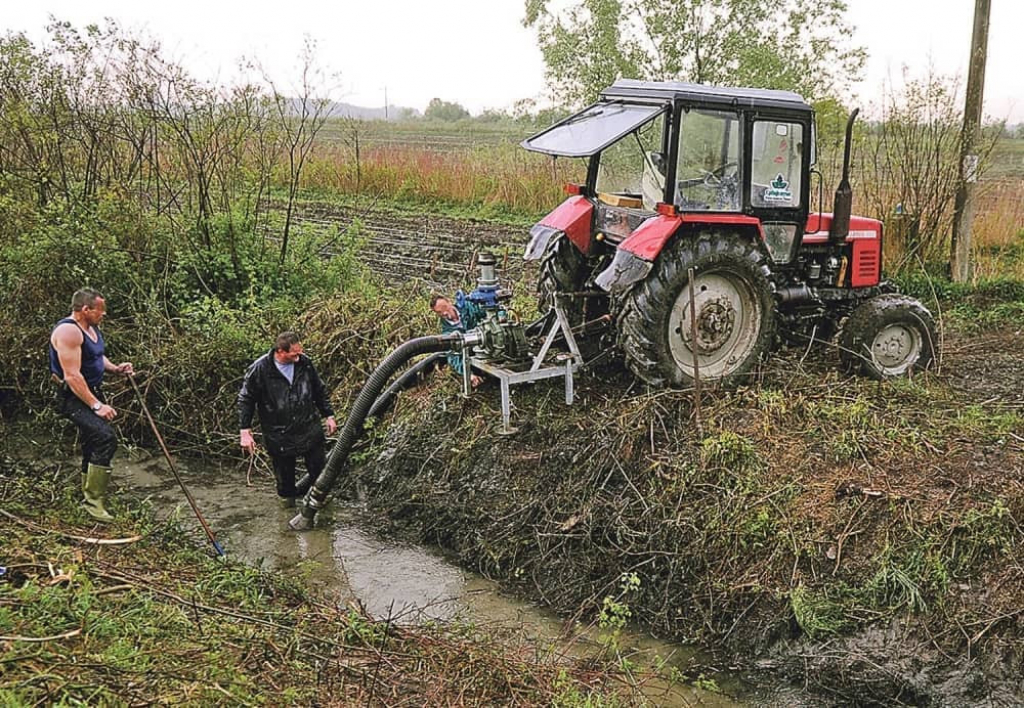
(776, 189)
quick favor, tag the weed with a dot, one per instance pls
(706, 683)
(730, 450)
(897, 582)
(817, 615)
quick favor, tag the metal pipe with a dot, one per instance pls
(842, 207)
(796, 294)
(694, 348)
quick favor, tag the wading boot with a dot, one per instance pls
(95, 491)
(286, 502)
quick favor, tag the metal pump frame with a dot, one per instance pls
(538, 370)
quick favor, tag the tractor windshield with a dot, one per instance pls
(707, 172)
(592, 129)
(631, 171)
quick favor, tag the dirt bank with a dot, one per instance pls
(862, 539)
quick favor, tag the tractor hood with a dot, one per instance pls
(593, 129)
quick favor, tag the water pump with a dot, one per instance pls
(502, 338)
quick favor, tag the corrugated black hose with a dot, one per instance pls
(353, 428)
(408, 378)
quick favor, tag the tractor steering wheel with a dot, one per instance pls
(713, 178)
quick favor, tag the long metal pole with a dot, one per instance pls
(963, 218)
(174, 470)
(694, 350)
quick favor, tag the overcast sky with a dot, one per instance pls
(476, 52)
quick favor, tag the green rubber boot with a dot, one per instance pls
(94, 488)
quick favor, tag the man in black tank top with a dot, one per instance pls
(78, 360)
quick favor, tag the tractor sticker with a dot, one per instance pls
(778, 191)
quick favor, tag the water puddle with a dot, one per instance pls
(350, 562)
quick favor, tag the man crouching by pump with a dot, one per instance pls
(285, 388)
(78, 361)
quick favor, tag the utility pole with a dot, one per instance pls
(385, 104)
(963, 214)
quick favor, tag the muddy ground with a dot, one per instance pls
(438, 250)
(862, 540)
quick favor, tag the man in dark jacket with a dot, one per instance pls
(286, 390)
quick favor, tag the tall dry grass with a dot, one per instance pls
(506, 178)
(999, 229)
(499, 176)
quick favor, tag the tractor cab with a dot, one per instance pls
(727, 152)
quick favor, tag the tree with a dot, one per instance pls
(443, 110)
(300, 120)
(785, 44)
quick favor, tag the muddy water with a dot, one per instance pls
(350, 562)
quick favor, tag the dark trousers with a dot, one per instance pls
(99, 442)
(284, 468)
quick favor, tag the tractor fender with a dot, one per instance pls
(573, 217)
(635, 256)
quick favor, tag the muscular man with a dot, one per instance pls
(78, 360)
(285, 388)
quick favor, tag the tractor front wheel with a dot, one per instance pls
(888, 336)
(735, 316)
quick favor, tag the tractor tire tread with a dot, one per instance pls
(859, 329)
(639, 335)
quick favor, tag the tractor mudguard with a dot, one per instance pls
(636, 255)
(573, 217)
(624, 270)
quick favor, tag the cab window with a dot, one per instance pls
(776, 164)
(707, 171)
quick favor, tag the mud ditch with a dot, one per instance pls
(860, 540)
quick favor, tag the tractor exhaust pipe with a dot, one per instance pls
(842, 207)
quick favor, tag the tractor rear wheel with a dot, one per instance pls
(563, 269)
(888, 336)
(735, 312)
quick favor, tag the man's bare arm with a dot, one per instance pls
(67, 342)
(122, 368)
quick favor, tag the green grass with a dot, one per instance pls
(158, 620)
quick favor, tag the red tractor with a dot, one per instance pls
(685, 177)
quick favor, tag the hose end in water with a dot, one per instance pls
(301, 522)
